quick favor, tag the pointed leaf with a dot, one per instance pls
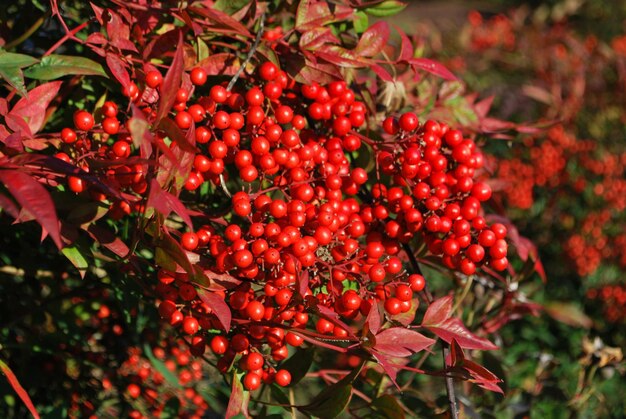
(15, 77)
(14, 382)
(171, 82)
(54, 66)
(453, 328)
(433, 67)
(73, 254)
(299, 364)
(166, 203)
(373, 320)
(406, 47)
(386, 8)
(238, 402)
(35, 199)
(438, 311)
(332, 400)
(401, 342)
(388, 406)
(219, 307)
(33, 108)
(118, 69)
(373, 40)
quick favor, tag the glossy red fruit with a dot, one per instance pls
(83, 120)
(198, 76)
(282, 378)
(190, 325)
(154, 79)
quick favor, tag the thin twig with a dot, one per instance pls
(250, 53)
(454, 412)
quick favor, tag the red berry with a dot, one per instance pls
(198, 76)
(83, 120)
(282, 378)
(190, 325)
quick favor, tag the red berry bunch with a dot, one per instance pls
(304, 231)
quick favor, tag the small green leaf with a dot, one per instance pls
(361, 22)
(55, 66)
(75, 256)
(230, 6)
(15, 77)
(160, 367)
(386, 8)
(171, 409)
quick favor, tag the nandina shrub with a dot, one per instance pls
(238, 172)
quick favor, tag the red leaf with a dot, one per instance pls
(406, 48)
(140, 132)
(118, 69)
(164, 202)
(119, 32)
(438, 311)
(32, 108)
(35, 199)
(13, 381)
(454, 329)
(220, 282)
(373, 40)
(219, 307)
(316, 37)
(432, 67)
(401, 342)
(238, 402)
(388, 367)
(222, 20)
(373, 320)
(108, 239)
(479, 374)
(311, 14)
(171, 82)
(219, 64)
(333, 317)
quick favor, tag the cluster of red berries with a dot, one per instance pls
(148, 391)
(613, 301)
(305, 230)
(110, 145)
(495, 32)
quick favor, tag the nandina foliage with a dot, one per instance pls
(240, 167)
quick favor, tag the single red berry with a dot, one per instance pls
(251, 381)
(190, 325)
(282, 378)
(198, 76)
(189, 241)
(83, 120)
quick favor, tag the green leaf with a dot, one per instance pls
(171, 409)
(16, 60)
(230, 6)
(333, 400)
(299, 364)
(15, 77)
(11, 69)
(388, 407)
(75, 256)
(160, 367)
(332, 404)
(55, 66)
(386, 8)
(361, 23)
